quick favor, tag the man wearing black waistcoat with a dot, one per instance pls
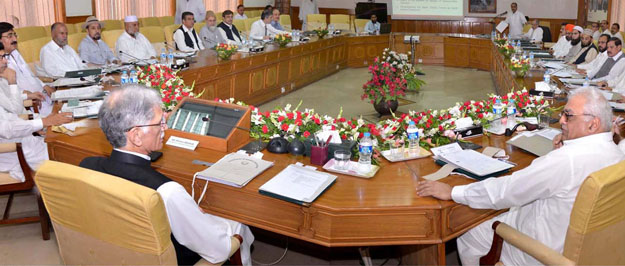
(228, 31)
(134, 124)
(185, 37)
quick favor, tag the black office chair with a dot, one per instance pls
(546, 34)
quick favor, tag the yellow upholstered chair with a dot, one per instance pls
(73, 28)
(29, 33)
(360, 24)
(240, 24)
(219, 18)
(30, 49)
(248, 23)
(10, 186)
(340, 21)
(166, 20)
(527, 27)
(285, 21)
(154, 34)
(74, 40)
(169, 34)
(595, 233)
(110, 37)
(544, 23)
(112, 24)
(102, 219)
(48, 29)
(198, 26)
(316, 21)
(149, 21)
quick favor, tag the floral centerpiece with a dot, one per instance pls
(519, 66)
(321, 32)
(406, 70)
(506, 49)
(167, 82)
(385, 85)
(282, 39)
(499, 41)
(225, 51)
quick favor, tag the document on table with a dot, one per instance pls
(449, 148)
(538, 142)
(235, 169)
(502, 26)
(298, 184)
(577, 81)
(543, 86)
(90, 92)
(84, 108)
(475, 162)
(555, 65)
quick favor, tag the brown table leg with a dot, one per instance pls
(423, 254)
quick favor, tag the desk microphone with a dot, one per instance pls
(503, 13)
(136, 58)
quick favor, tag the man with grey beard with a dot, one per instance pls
(209, 34)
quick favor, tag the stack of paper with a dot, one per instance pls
(475, 162)
(298, 184)
(83, 109)
(90, 92)
(68, 82)
(538, 143)
(235, 169)
(543, 86)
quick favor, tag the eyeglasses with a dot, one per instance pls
(10, 35)
(5, 56)
(162, 124)
(567, 116)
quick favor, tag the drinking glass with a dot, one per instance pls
(341, 158)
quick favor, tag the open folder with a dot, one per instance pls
(298, 184)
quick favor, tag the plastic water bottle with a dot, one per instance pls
(413, 138)
(511, 113)
(586, 83)
(547, 78)
(133, 77)
(493, 35)
(532, 60)
(124, 78)
(497, 111)
(505, 36)
(170, 58)
(163, 56)
(365, 148)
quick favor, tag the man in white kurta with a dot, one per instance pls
(515, 21)
(540, 196)
(240, 12)
(132, 45)
(535, 34)
(25, 79)
(57, 57)
(196, 7)
(307, 7)
(262, 29)
(561, 48)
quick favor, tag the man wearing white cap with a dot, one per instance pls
(588, 51)
(196, 7)
(92, 49)
(576, 43)
(132, 46)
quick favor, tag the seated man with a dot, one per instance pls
(615, 31)
(275, 19)
(229, 32)
(562, 47)
(240, 13)
(132, 45)
(92, 49)
(594, 65)
(262, 29)
(604, 27)
(588, 51)
(57, 57)
(15, 129)
(576, 43)
(372, 26)
(25, 79)
(209, 34)
(596, 33)
(185, 37)
(540, 196)
(535, 34)
(613, 66)
(134, 123)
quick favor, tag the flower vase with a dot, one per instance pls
(520, 73)
(385, 107)
(224, 56)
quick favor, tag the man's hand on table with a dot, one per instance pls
(435, 189)
(35, 96)
(581, 71)
(57, 119)
(49, 90)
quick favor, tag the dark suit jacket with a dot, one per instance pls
(138, 170)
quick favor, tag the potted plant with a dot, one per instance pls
(321, 33)
(282, 39)
(385, 85)
(167, 82)
(225, 51)
(519, 66)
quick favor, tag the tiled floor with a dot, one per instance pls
(22, 244)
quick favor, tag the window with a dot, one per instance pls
(118, 9)
(22, 13)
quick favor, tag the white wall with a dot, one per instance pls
(257, 3)
(564, 9)
(74, 8)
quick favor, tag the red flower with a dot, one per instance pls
(265, 129)
(480, 115)
(289, 115)
(280, 118)
(285, 127)
(440, 128)
(306, 134)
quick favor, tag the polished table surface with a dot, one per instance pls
(383, 210)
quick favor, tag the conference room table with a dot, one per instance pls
(354, 212)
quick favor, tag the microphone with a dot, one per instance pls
(206, 119)
(504, 13)
(136, 58)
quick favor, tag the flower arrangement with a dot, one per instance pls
(282, 39)
(499, 41)
(406, 70)
(506, 49)
(386, 83)
(167, 82)
(225, 51)
(321, 32)
(436, 126)
(520, 66)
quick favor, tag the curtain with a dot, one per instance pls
(118, 9)
(617, 14)
(22, 13)
(221, 5)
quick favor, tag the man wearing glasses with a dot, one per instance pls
(25, 79)
(134, 123)
(540, 197)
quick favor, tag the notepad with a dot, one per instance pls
(475, 162)
(235, 169)
(90, 92)
(502, 26)
(298, 184)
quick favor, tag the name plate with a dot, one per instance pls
(179, 142)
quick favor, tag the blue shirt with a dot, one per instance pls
(372, 28)
(276, 25)
(95, 53)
